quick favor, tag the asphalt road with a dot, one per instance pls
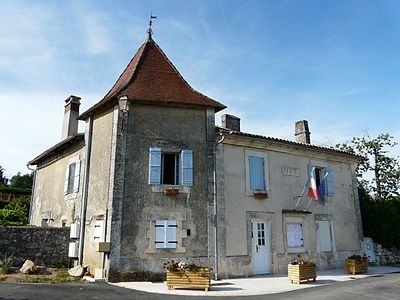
(381, 287)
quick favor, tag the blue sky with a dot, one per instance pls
(334, 63)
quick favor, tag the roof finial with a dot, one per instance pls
(150, 31)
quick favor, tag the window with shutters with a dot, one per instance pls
(72, 175)
(322, 174)
(170, 168)
(165, 234)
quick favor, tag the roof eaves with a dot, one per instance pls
(69, 141)
(288, 142)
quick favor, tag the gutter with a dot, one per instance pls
(88, 143)
(215, 206)
(33, 192)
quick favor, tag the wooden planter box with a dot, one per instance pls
(261, 195)
(300, 273)
(189, 279)
(355, 266)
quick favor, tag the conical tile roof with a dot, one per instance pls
(151, 78)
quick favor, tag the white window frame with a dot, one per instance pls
(72, 181)
(264, 155)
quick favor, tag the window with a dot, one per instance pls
(170, 168)
(320, 174)
(166, 234)
(257, 174)
(295, 237)
(71, 181)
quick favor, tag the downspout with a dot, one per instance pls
(32, 194)
(88, 143)
(215, 206)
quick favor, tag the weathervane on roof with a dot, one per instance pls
(150, 31)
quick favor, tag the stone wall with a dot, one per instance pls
(385, 256)
(43, 245)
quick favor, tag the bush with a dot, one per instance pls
(379, 218)
(9, 217)
(6, 262)
(15, 213)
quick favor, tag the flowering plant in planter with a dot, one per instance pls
(187, 274)
(179, 266)
(301, 262)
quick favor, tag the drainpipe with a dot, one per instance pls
(32, 194)
(88, 143)
(215, 209)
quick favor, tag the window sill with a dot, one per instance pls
(71, 196)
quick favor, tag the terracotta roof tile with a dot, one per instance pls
(288, 142)
(151, 77)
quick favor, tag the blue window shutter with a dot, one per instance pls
(76, 175)
(171, 234)
(256, 170)
(329, 181)
(187, 167)
(160, 234)
(155, 166)
(310, 170)
(66, 180)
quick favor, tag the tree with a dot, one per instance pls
(22, 181)
(386, 170)
(3, 179)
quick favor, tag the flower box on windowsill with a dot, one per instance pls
(171, 191)
(260, 195)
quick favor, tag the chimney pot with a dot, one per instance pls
(230, 122)
(71, 113)
(302, 132)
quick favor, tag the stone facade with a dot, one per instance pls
(386, 256)
(285, 169)
(143, 204)
(43, 246)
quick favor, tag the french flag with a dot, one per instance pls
(312, 189)
(315, 193)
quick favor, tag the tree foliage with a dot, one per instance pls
(15, 213)
(385, 169)
(22, 181)
(3, 179)
(380, 219)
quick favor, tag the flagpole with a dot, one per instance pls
(304, 189)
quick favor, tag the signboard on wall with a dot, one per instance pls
(295, 236)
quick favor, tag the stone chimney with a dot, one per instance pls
(71, 113)
(230, 122)
(302, 132)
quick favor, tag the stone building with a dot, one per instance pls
(152, 178)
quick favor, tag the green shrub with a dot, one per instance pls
(9, 217)
(6, 261)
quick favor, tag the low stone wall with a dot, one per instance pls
(43, 245)
(385, 256)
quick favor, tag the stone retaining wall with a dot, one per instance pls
(385, 256)
(43, 245)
